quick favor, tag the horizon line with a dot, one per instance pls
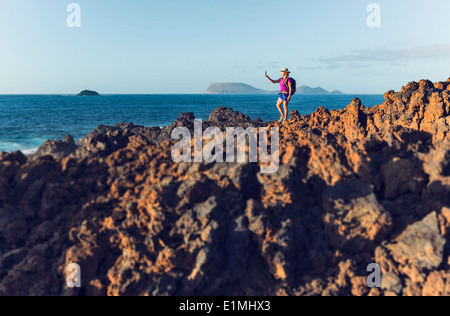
(209, 94)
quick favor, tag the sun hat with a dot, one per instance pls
(286, 70)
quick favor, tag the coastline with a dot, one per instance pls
(27, 119)
(355, 186)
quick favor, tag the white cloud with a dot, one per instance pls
(368, 58)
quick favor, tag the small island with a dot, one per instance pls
(88, 93)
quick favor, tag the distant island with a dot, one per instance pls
(234, 88)
(315, 91)
(88, 93)
(242, 88)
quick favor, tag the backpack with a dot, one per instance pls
(293, 85)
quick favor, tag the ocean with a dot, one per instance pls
(27, 121)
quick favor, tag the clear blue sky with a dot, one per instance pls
(139, 46)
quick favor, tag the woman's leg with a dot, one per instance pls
(279, 107)
(286, 104)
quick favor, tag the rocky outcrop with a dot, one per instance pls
(105, 140)
(88, 93)
(56, 148)
(354, 187)
(223, 118)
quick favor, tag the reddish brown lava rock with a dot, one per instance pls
(355, 186)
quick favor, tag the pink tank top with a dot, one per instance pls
(284, 87)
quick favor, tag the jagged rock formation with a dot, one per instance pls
(355, 186)
(105, 140)
(56, 148)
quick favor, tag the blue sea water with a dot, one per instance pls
(26, 121)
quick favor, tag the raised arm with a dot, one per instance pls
(273, 81)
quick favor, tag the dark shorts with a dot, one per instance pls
(284, 96)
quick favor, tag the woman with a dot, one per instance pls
(285, 94)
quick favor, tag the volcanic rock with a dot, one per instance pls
(56, 148)
(355, 187)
